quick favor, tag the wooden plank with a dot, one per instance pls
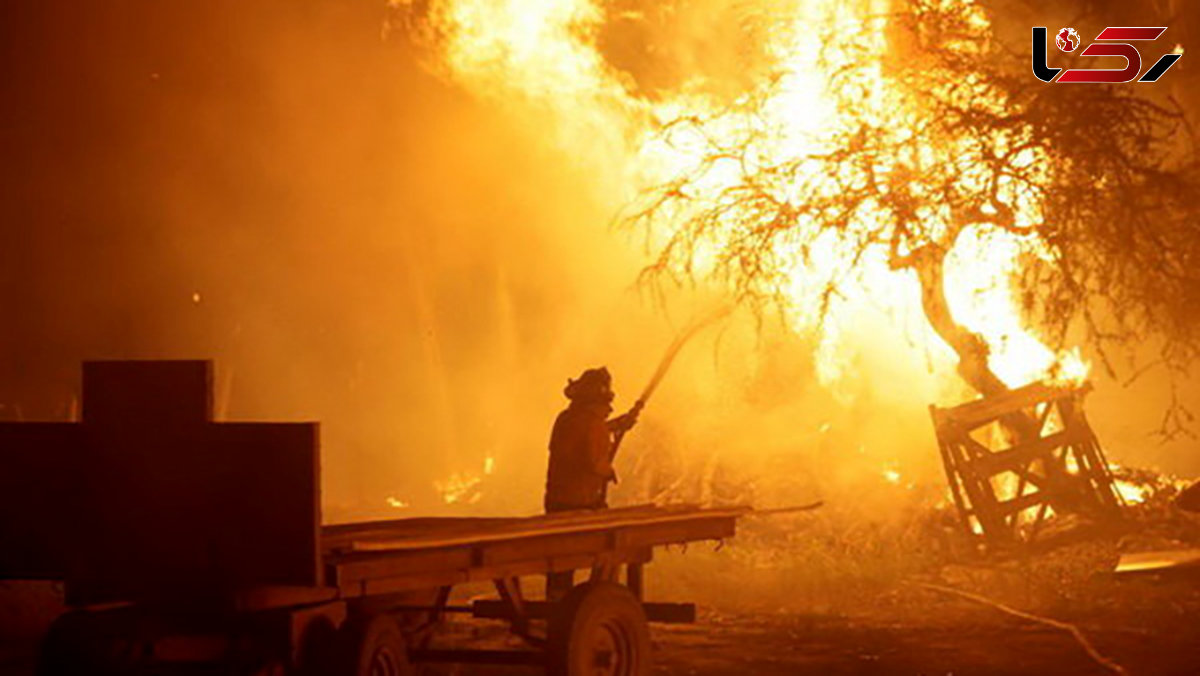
(973, 449)
(541, 526)
(392, 585)
(436, 578)
(1021, 503)
(496, 553)
(395, 528)
(558, 564)
(338, 537)
(513, 599)
(978, 493)
(949, 465)
(342, 537)
(448, 523)
(635, 580)
(1018, 457)
(370, 566)
(976, 413)
(347, 571)
(658, 534)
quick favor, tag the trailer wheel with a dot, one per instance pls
(375, 646)
(599, 629)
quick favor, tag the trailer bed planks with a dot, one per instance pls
(393, 556)
(424, 533)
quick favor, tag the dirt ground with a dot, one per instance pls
(962, 641)
(791, 600)
(1152, 630)
(921, 633)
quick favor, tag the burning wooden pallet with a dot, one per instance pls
(1016, 460)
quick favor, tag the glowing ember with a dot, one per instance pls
(1139, 486)
(459, 489)
(396, 503)
(463, 488)
(1130, 492)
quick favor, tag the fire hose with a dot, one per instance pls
(664, 364)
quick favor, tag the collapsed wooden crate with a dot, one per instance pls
(1016, 460)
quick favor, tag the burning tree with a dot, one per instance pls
(910, 147)
(871, 154)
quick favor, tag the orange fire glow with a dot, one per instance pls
(545, 54)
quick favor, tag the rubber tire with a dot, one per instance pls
(594, 619)
(374, 642)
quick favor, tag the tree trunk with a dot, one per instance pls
(973, 351)
(971, 348)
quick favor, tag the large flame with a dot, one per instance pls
(545, 54)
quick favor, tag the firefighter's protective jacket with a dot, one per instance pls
(580, 457)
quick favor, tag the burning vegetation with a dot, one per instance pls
(885, 181)
(890, 159)
(882, 178)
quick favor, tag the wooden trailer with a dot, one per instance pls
(188, 546)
